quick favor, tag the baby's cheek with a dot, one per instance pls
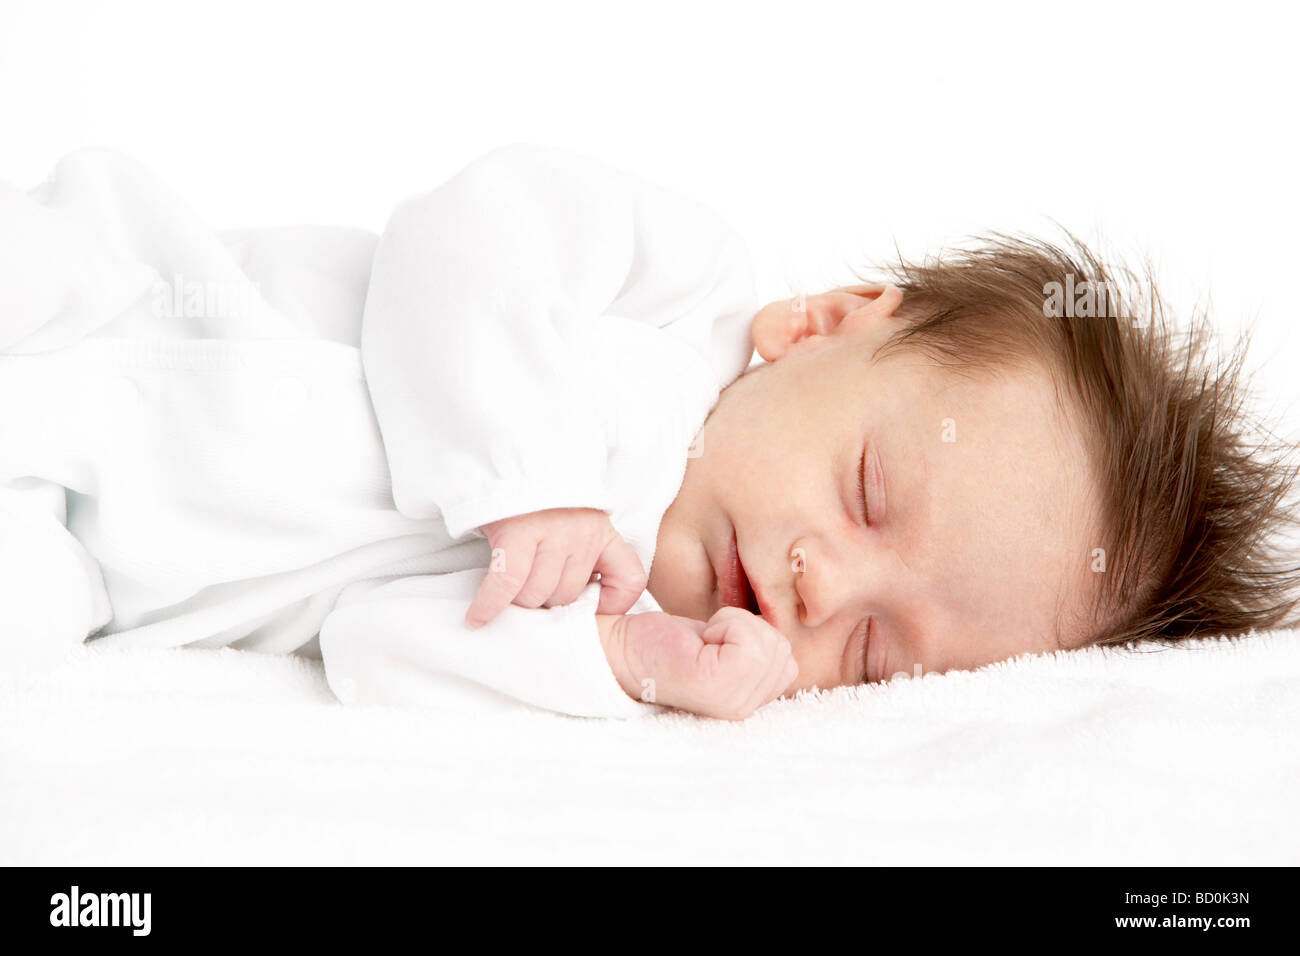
(817, 668)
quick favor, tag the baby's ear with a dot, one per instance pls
(779, 326)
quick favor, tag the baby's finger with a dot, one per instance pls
(573, 581)
(511, 562)
(542, 580)
(789, 674)
(622, 579)
(782, 675)
(719, 627)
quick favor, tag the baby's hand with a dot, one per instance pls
(546, 558)
(727, 668)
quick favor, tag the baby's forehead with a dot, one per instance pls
(1003, 496)
(1020, 400)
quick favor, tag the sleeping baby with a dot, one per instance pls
(512, 451)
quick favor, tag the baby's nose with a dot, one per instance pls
(823, 587)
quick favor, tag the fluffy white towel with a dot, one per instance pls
(1150, 756)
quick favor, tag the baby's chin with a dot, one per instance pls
(673, 595)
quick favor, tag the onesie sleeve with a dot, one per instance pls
(403, 642)
(52, 593)
(492, 306)
(59, 276)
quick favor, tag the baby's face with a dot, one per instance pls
(975, 539)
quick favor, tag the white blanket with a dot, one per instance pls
(1144, 756)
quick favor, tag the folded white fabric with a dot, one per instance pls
(1173, 756)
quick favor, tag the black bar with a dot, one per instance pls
(661, 908)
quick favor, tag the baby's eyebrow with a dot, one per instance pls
(913, 491)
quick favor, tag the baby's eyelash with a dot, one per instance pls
(862, 487)
(866, 649)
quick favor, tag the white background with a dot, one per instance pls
(825, 132)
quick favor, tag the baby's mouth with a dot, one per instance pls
(734, 589)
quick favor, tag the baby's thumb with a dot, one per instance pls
(718, 628)
(622, 579)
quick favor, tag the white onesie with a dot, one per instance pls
(285, 440)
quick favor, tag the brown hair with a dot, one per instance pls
(1195, 492)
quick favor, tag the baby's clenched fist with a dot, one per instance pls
(727, 668)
